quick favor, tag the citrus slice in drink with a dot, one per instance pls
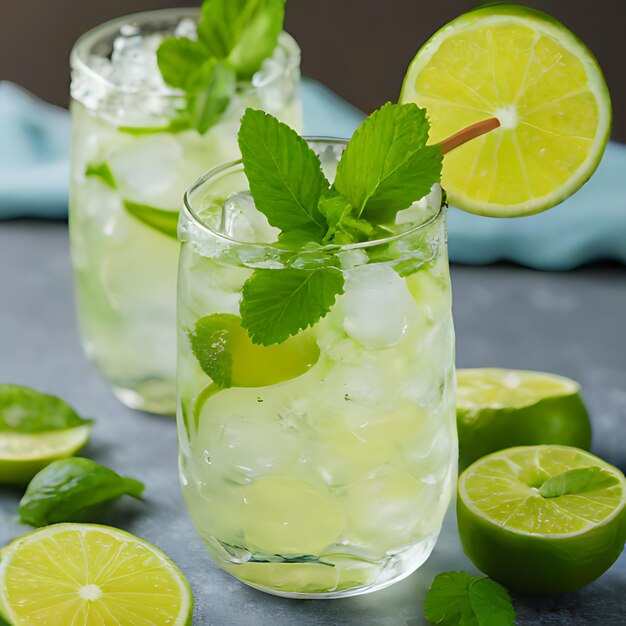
(499, 408)
(535, 540)
(90, 575)
(546, 90)
(22, 455)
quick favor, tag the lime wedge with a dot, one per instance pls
(542, 84)
(533, 543)
(22, 455)
(90, 575)
(498, 408)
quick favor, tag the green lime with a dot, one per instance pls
(90, 575)
(536, 543)
(22, 455)
(499, 409)
(543, 85)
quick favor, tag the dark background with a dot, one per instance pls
(359, 48)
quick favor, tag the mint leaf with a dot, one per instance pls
(244, 31)
(180, 61)
(218, 87)
(279, 303)
(211, 341)
(103, 172)
(164, 221)
(285, 175)
(575, 481)
(70, 490)
(458, 599)
(26, 410)
(387, 165)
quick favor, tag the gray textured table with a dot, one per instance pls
(570, 323)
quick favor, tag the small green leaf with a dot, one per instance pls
(458, 599)
(70, 490)
(164, 221)
(215, 88)
(103, 172)
(387, 165)
(575, 481)
(279, 303)
(211, 344)
(285, 175)
(26, 410)
(180, 59)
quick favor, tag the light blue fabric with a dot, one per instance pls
(590, 226)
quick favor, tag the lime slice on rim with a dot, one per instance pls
(544, 86)
(499, 408)
(84, 574)
(536, 544)
(22, 455)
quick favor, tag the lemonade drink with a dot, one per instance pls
(326, 468)
(131, 163)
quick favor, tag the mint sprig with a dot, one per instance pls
(458, 599)
(385, 168)
(234, 37)
(576, 481)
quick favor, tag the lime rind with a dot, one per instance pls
(9, 552)
(548, 26)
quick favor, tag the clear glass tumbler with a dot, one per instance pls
(326, 467)
(131, 163)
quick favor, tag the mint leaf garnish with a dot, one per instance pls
(207, 106)
(210, 342)
(458, 599)
(387, 165)
(71, 490)
(181, 62)
(279, 303)
(580, 480)
(164, 221)
(103, 172)
(285, 176)
(26, 410)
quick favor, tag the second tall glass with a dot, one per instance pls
(130, 167)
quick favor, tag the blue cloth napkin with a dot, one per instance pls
(590, 226)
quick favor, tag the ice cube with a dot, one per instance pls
(134, 59)
(187, 28)
(243, 222)
(147, 168)
(378, 306)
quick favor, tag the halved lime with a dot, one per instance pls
(499, 408)
(544, 86)
(22, 455)
(90, 575)
(536, 544)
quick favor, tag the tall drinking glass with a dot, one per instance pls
(131, 163)
(321, 466)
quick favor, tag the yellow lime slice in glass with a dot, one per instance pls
(534, 543)
(543, 85)
(500, 408)
(84, 574)
(22, 455)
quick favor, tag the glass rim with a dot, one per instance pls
(85, 42)
(212, 174)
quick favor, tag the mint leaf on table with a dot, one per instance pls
(279, 303)
(458, 599)
(285, 175)
(166, 222)
(103, 172)
(387, 165)
(26, 410)
(574, 481)
(71, 490)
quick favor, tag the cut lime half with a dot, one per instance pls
(84, 574)
(538, 544)
(543, 85)
(500, 408)
(22, 455)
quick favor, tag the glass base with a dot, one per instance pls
(372, 576)
(154, 396)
